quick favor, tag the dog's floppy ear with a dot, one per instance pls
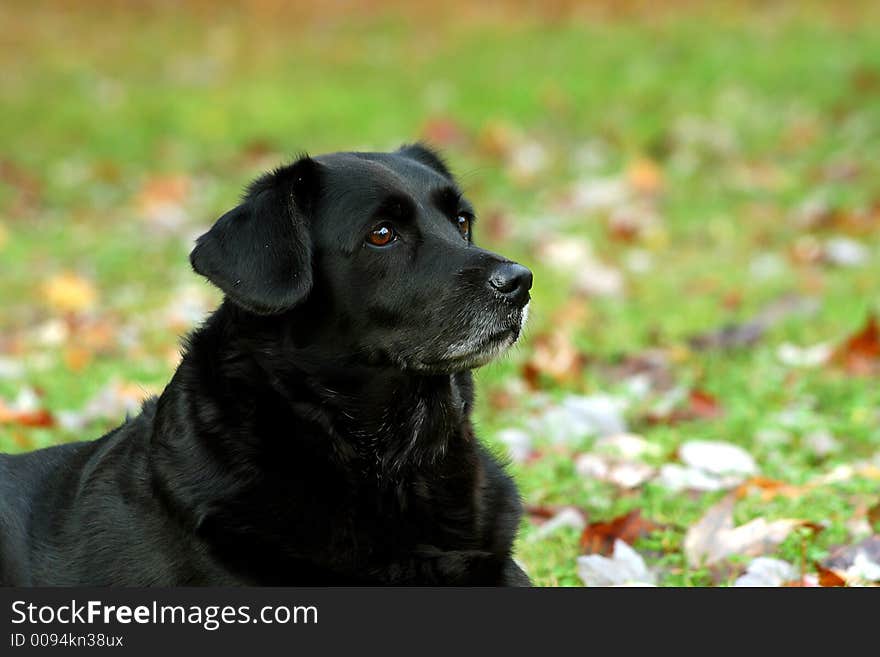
(426, 155)
(260, 253)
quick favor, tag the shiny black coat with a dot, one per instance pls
(286, 451)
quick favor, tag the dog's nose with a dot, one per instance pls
(513, 281)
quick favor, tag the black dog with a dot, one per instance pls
(317, 430)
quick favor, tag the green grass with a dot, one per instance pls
(95, 103)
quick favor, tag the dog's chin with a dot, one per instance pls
(478, 349)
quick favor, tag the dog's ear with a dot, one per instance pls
(426, 155)
(260, 253)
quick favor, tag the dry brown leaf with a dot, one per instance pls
(496, 139)
(599, 537)
(163, 190)
(699, 405)
(77, 358)
(553, 356)
(874, 516)
(442, 131)
(771, 488)
(714, 537)
(829, 577)
(26, 418)
(860, 353)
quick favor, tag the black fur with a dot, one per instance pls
(317, 430)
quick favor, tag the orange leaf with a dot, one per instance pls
(77, 358)
(874, 516)
(36, 418)
(645, 176)
(699, 405)
(860, 354)
(442, 131)
(828, 577)
(69, 292)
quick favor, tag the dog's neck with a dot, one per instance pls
(384, 415)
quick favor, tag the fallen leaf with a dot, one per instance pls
(600, 537)
(27, 190)
(25, 411)
(874, 516)
(565, 253)
(527, 159)
(442, 131)
(676, 477)
(566, 517)
(69, 292)
(161, 199)
(829, 577)
(579, 416)
(770, 488)
(113, 402)
(718, 458)
(645, 372)
(496, 139)
(748, 333)
(596, 194)
(765, 571)
(845, 252)
(626, 445)
(11, 368)
(856, 558)
(596, 279)
(645, 176)
(812, 356)
(539, 513)
(621, 473)
(624, 567)
(860, 353)
(517, 442)
(76, 358)
(553, 356)
(714, 538)
(697, 405)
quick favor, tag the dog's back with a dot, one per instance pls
(27, 484)
(46, 495)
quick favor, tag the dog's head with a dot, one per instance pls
(374, 251)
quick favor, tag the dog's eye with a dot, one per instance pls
(463, 222)
(382, 235)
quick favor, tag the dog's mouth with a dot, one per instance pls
(479, 349)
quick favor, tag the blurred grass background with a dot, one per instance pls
(702, 155)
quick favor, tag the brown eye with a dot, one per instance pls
(464, 225)
(382, 235)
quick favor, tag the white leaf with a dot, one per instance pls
(676, 477)
(579, 417)
(567, 517)
(626, 445)
(765, 571)
(625, 566)
(518, 443)
(845, 252)
(812, 356)
(863, 569)
(625, 474)
(596, 279)
(718, 458)
(714, 538)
